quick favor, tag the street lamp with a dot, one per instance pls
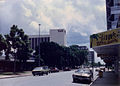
(39, 44)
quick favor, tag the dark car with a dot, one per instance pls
(54, 69)
(82, 75)
(40, 70)
(66, 69)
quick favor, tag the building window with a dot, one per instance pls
(48, 39)
(41, 39)
(32, 43)
(30, 39)
(36, 42)
(45, 39)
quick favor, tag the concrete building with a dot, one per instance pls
(56, 35)
(113, 14)
(34, 40)
(107, 44)
(91, 57)
(83, 48)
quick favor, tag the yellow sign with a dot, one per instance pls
(105, 38)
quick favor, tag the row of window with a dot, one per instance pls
(35, 41)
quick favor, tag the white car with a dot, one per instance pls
(82, 75)
(40, 70)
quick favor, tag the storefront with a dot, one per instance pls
(107, 46)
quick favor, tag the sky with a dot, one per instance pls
(80, 18)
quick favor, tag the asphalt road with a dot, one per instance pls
(53, 79)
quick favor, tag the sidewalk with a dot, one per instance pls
(108, 79)
(12, 75)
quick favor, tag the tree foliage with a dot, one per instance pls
(53, 54)
(16, 45)
(3, 44)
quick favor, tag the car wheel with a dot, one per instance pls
(74, 80)
(33, 74)
(42, 74)
(39, 74)
(47, 73)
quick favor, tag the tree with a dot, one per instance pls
(3, 44)
(53, 54)
(12, 42)
(79, 56)
(18, 45)
(92, 37)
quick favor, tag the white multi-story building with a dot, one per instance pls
(91, 58)
(113, 14)
(56, 35)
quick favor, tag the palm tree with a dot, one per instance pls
(94, 36)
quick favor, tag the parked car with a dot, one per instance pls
(102, 69)
(97, 69)
(66, 69)
(54, 69)
(40, 70)
(82, 75)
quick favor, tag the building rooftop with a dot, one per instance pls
(35, 36)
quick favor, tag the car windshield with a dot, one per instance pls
(45, 67)
(88, 72)
(38, 68)
(82, 71)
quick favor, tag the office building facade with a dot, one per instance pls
(113, 14)
(91, 57)
(34, 40)
(56, 35)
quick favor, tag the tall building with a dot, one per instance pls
(113, 14)
(107, 43)
(56, 35)
(90, 57)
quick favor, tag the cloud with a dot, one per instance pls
(29, 2)
(101, 8)
(27, 12)
(80, 18)
(83, 34)
(34, 24)
(2, 1)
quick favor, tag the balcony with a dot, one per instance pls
(115, 10)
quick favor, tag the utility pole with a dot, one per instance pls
(39, 44)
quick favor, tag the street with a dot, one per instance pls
(53, 79)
